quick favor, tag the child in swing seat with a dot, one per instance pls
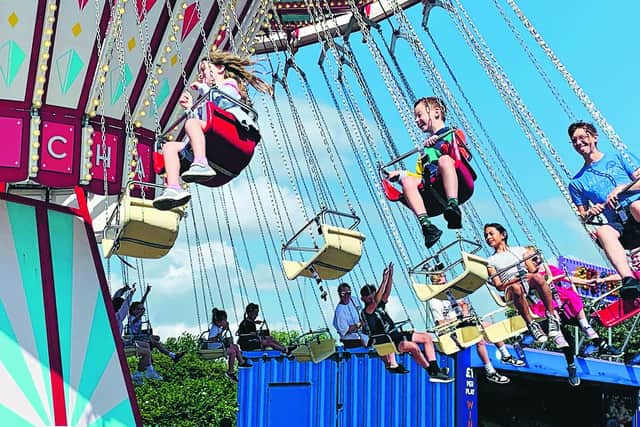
(437, 159)
(229, 73)
(219, 337)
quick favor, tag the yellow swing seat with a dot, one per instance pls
(505, 329)
(338, 255)
(141, 231)
(206, 353)
(470, 280)
(452, 341)
(384, 345)
(314, 346)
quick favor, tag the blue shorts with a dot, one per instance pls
(629, 231)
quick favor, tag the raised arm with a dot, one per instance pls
(387, 281)
(146, 293)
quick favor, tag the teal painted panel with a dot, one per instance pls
(10, 418)
(61, 232)
(13, 359)
(100, 348)
(120, 415)
(25, 237)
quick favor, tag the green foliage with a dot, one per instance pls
(619, 334)
(194, 392)
(285, 338)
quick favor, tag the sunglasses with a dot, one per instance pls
(343, 293)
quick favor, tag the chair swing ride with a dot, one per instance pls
(87, 125)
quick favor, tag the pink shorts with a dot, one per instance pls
(571, 303)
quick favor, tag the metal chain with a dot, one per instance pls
(543, 74)
(253, 184)
(597, 115)
(501, 162)
(193, 278)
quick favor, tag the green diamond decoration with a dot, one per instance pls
(68, 67)
(163, 92)
(116, 83)
(14, 57)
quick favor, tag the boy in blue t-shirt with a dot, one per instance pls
(597, 189)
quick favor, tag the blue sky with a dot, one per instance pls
(595, 44)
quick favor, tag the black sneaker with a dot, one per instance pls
(441, 376)
(431, 235)
(178, 356)
(605, 349)
(554, 326)
(512, 361)
(630, 288)
(574, 379)
(231, 376)
(453, 216)
(495, 377)
(537, 333)
(400, 369)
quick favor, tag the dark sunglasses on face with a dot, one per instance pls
(343, 293)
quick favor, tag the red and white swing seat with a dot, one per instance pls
(434, 195)
(230, 146)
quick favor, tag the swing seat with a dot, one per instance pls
(384, 345)
(617, 312)
(505, 329)
(465, 336)
(229, 146)
(206, 353)
(470, 280)
(341, 251)
(143, 231)
(314, 346)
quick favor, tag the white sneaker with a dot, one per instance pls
(590, 333)
(171, 198)
(152, 374)
(560, 342)
(198, 173)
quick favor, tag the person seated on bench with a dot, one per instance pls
(597, 189)
(217, 330)
(443, 312)
(516, 290)
(249, 338)
(346, 321)
(378, 322)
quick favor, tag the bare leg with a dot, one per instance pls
(233, 353)
(425, 338)
(270, 342)
(538, 283)
(194, 129)
(413, 349)
(608, 238)
(144, 351)
(172, 162)
(481, 347)
(154, 342)
(515, 293)
(447, 169)
(412, 194)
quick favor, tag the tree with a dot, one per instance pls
(194, 392)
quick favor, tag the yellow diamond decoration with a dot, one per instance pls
(174, 59)
(13, 19)
(131, 44)
(76, 29)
